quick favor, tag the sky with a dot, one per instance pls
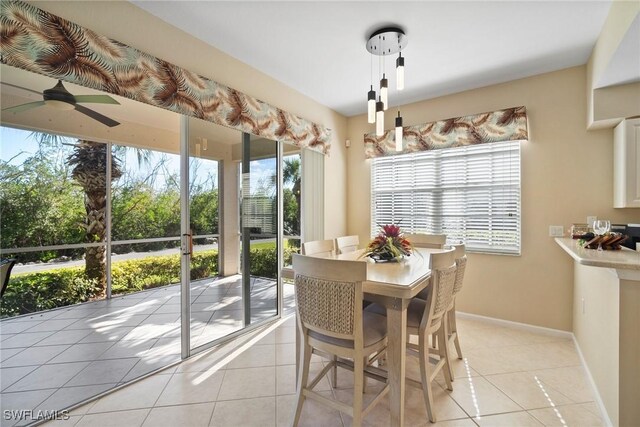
(17, 145)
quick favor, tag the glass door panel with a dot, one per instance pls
(259, 221)
(215, 302)
(292, 217)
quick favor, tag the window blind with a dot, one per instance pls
(470, 193)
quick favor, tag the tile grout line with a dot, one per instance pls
(548, 387)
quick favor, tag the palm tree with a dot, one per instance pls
(89, 162)
(291, 175)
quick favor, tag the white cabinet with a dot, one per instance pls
(626, 164)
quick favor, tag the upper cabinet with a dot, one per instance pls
(626, 164)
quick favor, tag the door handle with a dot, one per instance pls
(187, 244)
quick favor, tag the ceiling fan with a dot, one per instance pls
(59, 97)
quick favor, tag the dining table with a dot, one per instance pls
(393, 284)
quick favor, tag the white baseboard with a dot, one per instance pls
(592, 383)
(516, 325)
(548, 332)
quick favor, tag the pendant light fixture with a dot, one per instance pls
(384, 91)
(371, 100)
(371, 105)
(400, 72)
(399, 133)
(384, 42)
(379, 118)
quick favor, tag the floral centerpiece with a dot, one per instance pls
(389, 245)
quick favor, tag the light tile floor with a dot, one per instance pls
(54, 359)
(509, 377)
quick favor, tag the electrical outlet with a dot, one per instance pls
(556, 231)
(591, 220)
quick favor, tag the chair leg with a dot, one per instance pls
(425, 373)
(334, 372)
(358, 383)
(447, 335)
(303, 379)
(364, 377)
(454, 330)
(443, 351)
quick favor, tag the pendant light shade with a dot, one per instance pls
(384, 91)
(400, 72)
(379, 118)
(399, 133)
(371, 106)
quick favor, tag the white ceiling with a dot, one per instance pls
(318, 48)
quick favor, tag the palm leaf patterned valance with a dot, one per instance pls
(495, 126)
(38, 41)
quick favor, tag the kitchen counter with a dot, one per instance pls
(624, 259)
(606, 315)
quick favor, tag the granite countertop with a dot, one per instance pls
(624, 259)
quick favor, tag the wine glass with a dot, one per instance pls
(600, 227)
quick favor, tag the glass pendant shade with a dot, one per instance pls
(384, 91)
(379, 118)
(399, 133)
(400, 72)
(371, 106)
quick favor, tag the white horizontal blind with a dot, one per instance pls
(471, 194)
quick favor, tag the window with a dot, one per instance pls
(471, 194)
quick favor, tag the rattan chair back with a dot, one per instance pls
(461, 264)
(329, 295)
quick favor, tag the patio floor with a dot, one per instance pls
(54, 359)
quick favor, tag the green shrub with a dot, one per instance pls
(32, 292)
(264, 261)
(43, 291)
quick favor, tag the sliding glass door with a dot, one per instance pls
(231, 186)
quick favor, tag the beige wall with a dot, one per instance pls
(567, 174)
(128, 24)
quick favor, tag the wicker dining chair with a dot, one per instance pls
(427, 318)
(319, 248)
(420, 240)
(347, 244)
(429, 241)
(331, 319)
(461, 264)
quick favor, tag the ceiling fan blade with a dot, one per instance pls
(97, 116)
(96, 99)
(22, 88)
(24, 107)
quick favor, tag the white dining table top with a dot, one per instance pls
(395, 279)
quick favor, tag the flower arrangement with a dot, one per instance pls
(389, 245)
